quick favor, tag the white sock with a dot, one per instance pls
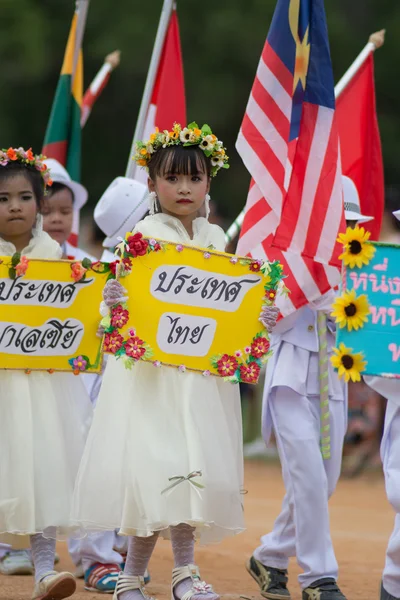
(182, 538)
(43, 552)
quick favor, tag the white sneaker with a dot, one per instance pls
(54, 586)
(17, 562)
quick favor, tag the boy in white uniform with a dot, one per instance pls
(291, 406)
(390, 454)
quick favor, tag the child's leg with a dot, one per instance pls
(43, 552)
(101, 563)
(48, 583)
(182, 539)
(297, 429)
(140, 550)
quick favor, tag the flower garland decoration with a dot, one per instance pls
(19, 266)
(80, 269)
(348, 364)
(132, 348)
(245, 366)
(357, 251)
(26, 157)
(350, 310)
(135, 245)
(192, 135)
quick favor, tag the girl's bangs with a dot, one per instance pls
(183, 161)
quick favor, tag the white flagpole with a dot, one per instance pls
(82, 7)
(376, 40)
(165, 18)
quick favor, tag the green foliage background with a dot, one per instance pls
(221, 45)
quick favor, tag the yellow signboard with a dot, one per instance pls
(193, 309)
(49, 315)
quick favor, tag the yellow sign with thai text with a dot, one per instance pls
(49, 315)
(195, 309)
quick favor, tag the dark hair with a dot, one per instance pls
(12, 169)
(184, 160)
(57, 187)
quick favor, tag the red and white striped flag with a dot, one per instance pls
(289, 143)
(168, 101)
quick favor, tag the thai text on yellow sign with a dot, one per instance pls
(47, 320)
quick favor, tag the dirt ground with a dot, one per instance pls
(361, 521)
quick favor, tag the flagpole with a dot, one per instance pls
(111, 62)
(81, 8)
(165, 18)
(376, 40)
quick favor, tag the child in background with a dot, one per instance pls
(42, 434)
(122, 205)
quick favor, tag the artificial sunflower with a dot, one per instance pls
(357, 250)
(351, 311)
(347, 364)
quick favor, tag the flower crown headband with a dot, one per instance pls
(191, 135)
(26, 157)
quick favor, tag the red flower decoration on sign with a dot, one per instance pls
(137, 245)
(112, 342)
(119, 317)
(259, 347)
(227, 365)
(270, 294)
(134, 348)
(255, 266)
(250, 373)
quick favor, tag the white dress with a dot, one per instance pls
(152, 424)
(43, 428)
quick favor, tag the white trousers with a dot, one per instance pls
(390, 452)
(96, 548)
(302, 529)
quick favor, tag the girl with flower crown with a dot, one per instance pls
(169, 443)
(42, 431)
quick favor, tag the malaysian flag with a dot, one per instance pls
(289, 143)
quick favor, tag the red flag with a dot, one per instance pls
(361, 145)
(168, 101)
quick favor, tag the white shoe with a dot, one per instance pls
(17, 562)
(54, 586)
(198, 585)
(130, 582)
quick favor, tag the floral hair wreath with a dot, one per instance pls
(191, 135)
(26, 157)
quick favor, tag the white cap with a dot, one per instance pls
(122, 205)
(60, 175)
(352, 209)
(396, 213)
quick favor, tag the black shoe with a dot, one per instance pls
(323, 589)
(272, 581)
(385, 595)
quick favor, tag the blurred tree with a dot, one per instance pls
(221, 47)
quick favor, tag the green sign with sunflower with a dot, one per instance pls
(367, 311)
